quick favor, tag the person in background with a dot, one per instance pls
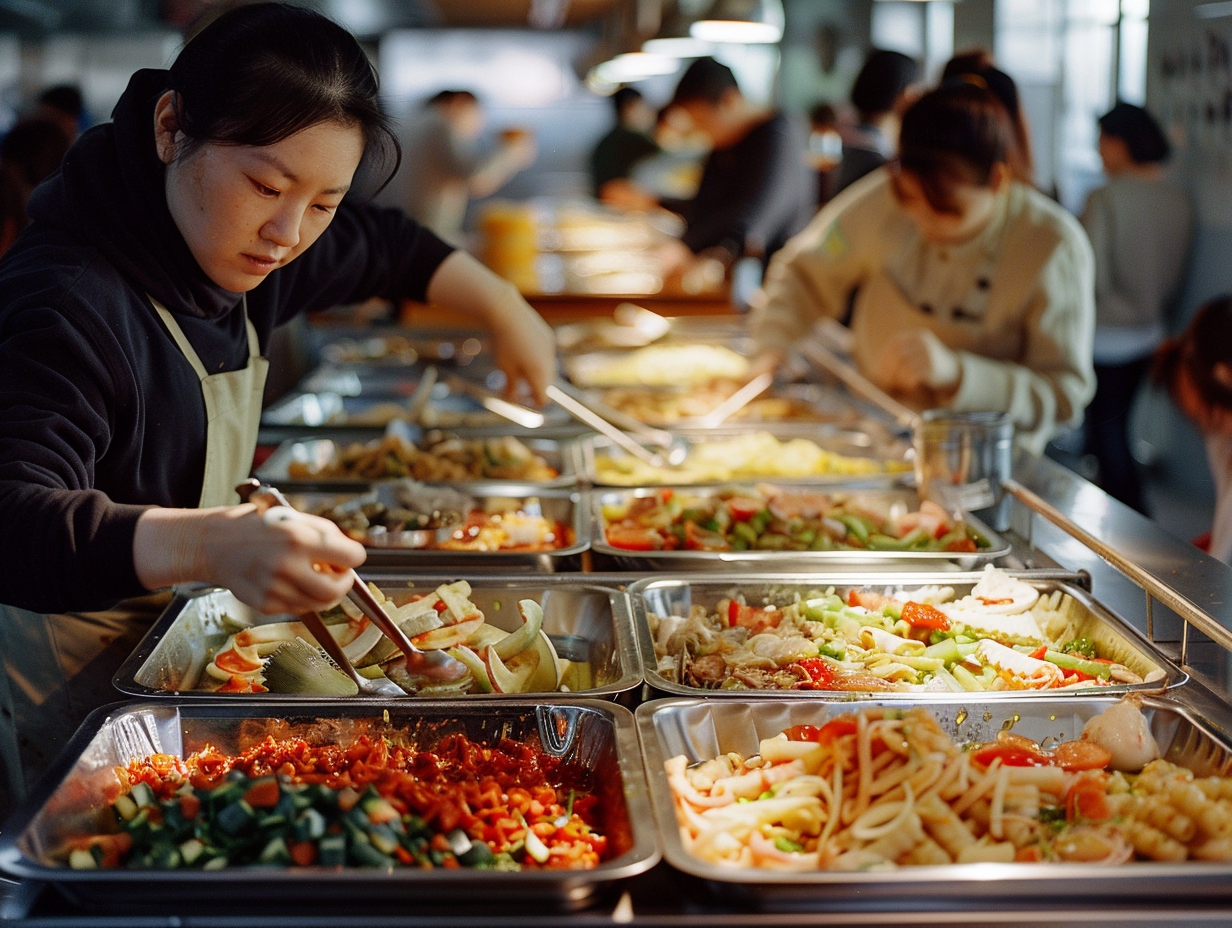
(29, 154)
(1196, 369)
(757, 189)
(1140, 225)
(624, 146)
(444, 164)
(973, 291)
(825, 150)
(63, 105)
(976, 67)
(883, 90)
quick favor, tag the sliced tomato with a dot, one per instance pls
(743, 508)
(962, 546)
(666, 494)
(1087, 799)
(922, 615)
(1032, 854)
(1010, 755)
(1081, 755)
(871, 601)
(835, 728)
(803, 733)
(697, 538)
(755, 620)
(632, 538)
(441, 606)
(821, 673)
(733, 613)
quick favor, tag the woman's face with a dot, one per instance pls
(973, 207)
(246, 210)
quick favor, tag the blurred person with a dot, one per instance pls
(973, 291)
(883, 90)
(1196, 370)
(825, 149)
(445, 164)
(63, 105)
(135, 315)
(29, 154)
(1140, 226)
(976, 67)
(629, 141)
(757, 189)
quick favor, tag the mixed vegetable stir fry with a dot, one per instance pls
(375, 804)
(767, 518)
(883, 788)
(1003, 635)
(440, 457)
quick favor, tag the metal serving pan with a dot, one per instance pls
(728, 561)
(317, 452)
(675, 596)
(587, 370)
(586, 620)
(593, 735)
(560, 505)
(875, 443)
(401, 347)
(703, 729)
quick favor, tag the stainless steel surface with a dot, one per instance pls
(589, 734)
(519, 415)
(701, 729)
(585, 414)
(736, 402)
(777, 561)
(857, 383)
(317, 452)
(675, 595)
(870, 441)
(587, 617)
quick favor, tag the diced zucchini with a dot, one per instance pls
(310, 826)
(235, 818)
(364, 854)
(966, 679)
(125, 808)
(82, 859)
(142, 795)
(332, 851)
(383, 839)
(276, 852)
(216, 863)
(477, 855)
(191, 851)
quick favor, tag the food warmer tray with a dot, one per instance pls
(876, 443)
(675, 595)
(593, 336)
(585, 369)
(318, 452)
(586, 618)
(568, 506)
(777, 561)
(399, 347)
(701, 729)
(593, 734)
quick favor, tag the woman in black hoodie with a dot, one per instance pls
(134, 312)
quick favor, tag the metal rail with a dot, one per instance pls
(1154, 588)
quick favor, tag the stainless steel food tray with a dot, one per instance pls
(318, 452)
(877, 443)
(366, 413)
(568, 506)
(587, 620)
(588, 734)
(703, 729)
(675, 595)
(728, 561)
(371, 347)
(585, 369)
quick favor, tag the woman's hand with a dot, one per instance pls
(525, 345)
(916, 359)
(282, 561)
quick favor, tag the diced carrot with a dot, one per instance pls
(264, 794)
(190, 806)
(303, 853)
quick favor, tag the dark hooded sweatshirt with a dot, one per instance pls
(101, 415)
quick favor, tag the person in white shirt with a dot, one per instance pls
(973, 291)
(1139, 225)
(1196, 369)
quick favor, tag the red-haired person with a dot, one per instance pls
(968, 288)
(1196, 369)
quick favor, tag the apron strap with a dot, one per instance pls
(254, 347)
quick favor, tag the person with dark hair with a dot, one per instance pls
(445, 164)
(1140, 225)
(825, 149)
(63, 105)
(972, 290)
(756, 189)
(976, 67)
(1196, 370)
(883, 90)
(628, 142)
(134, 313)
(29, 154)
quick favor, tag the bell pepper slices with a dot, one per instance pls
(922, 615)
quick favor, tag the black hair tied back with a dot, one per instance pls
(260, 73)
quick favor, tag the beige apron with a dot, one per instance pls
(59, 667)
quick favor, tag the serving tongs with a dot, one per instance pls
(432, 665)
(734, 403)
(675, 447)
(514, 412)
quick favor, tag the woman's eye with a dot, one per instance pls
(262, 189)
(327, 210)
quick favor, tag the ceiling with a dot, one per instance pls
(367, 18)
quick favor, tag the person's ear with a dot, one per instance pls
(167, 133)
(999, 176)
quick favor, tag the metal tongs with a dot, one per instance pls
(433, 665)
